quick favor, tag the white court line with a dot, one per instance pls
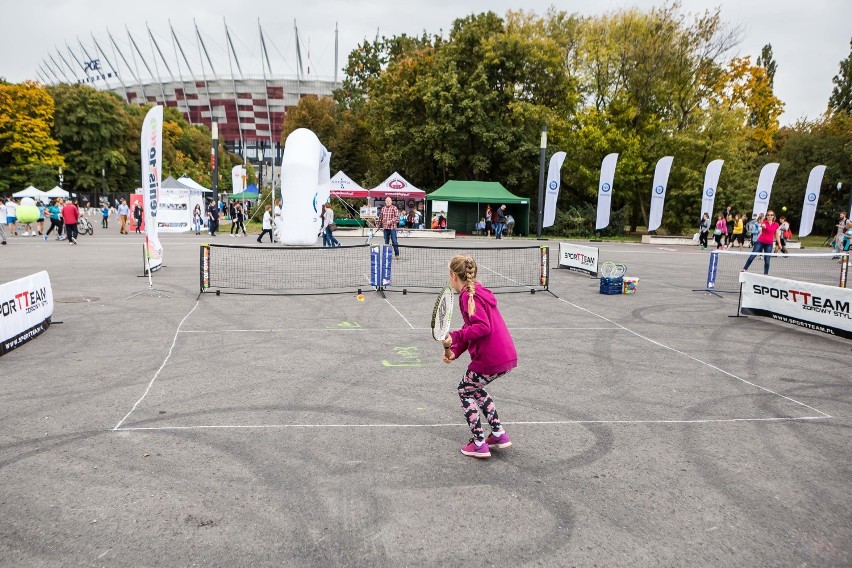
(461, 423)
(696, 359)
(400, 315)
(157, 374)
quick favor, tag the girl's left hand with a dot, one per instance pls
(448, 355)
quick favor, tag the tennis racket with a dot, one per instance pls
(611, 269)
(442, 314)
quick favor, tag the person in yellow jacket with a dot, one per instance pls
(739, 232)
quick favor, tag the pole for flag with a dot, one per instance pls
(150, 289)
(541, 160)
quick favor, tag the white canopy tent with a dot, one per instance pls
(33, 192)
(57, 192)
(192, 184)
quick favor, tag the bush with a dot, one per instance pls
(578, 221)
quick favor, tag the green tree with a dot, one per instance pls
(28, 154)
(804, 145)
(841, 94)
(94, 129)
(766, 61)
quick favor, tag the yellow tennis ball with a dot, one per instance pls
(360, 297)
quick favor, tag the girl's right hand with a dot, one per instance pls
(448, 355)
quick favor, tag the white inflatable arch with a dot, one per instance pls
(305, 186)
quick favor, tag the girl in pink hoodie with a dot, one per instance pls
(492, 355)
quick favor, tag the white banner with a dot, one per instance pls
(152, 177)
(554, 178)
(238, 179)
(711, 186)
(658, 192)
(579, 258)
(812, 306)
(811, 200)
(764, 188)
(605, 191)
(26, 306)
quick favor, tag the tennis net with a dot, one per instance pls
(820, 268)
(315, 270)
(285, 270)
(498, 268)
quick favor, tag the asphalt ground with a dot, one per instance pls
(164, 429)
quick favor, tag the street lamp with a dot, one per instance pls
(60, 177)
(543, 147)
(214, 157)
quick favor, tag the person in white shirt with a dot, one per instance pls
(2, 221)
(11, 217)
(276, 220)
(267, 224)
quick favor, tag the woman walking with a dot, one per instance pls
(328, 221)
(55, 212)
(238, 221)
(720, 231)
(704, 231)
(267, 224)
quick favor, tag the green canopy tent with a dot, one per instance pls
(469, 198)
(242, 196)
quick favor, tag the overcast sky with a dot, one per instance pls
(809, 38)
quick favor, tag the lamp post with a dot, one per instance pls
(540, 215)
(60, 177)
(103, 184)
(214, 159)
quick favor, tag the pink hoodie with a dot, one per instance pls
(484, 334)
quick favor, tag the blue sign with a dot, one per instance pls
(812, 197)
(375, 266)
(763, 195)
(553, 185)
(709, 192)
(387, 257)
(659, 190)
(605, 187)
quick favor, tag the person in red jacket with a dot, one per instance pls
(492, 355)
(70, 216)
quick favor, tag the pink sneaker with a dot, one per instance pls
(501, 441)
(474, 451)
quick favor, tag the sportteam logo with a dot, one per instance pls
(24, 302)
(806, 300)
(584, 259)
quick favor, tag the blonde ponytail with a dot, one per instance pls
(464, 267)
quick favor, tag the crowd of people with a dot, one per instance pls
(731, 229)
(495, 222)
(63, 215)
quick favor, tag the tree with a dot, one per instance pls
(766, 61)
(27, 151)
(94, 129)
(747, 86)
(841, 94)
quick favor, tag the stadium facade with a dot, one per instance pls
(249, 107)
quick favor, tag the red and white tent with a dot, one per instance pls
(397, 186)
(343, 186)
